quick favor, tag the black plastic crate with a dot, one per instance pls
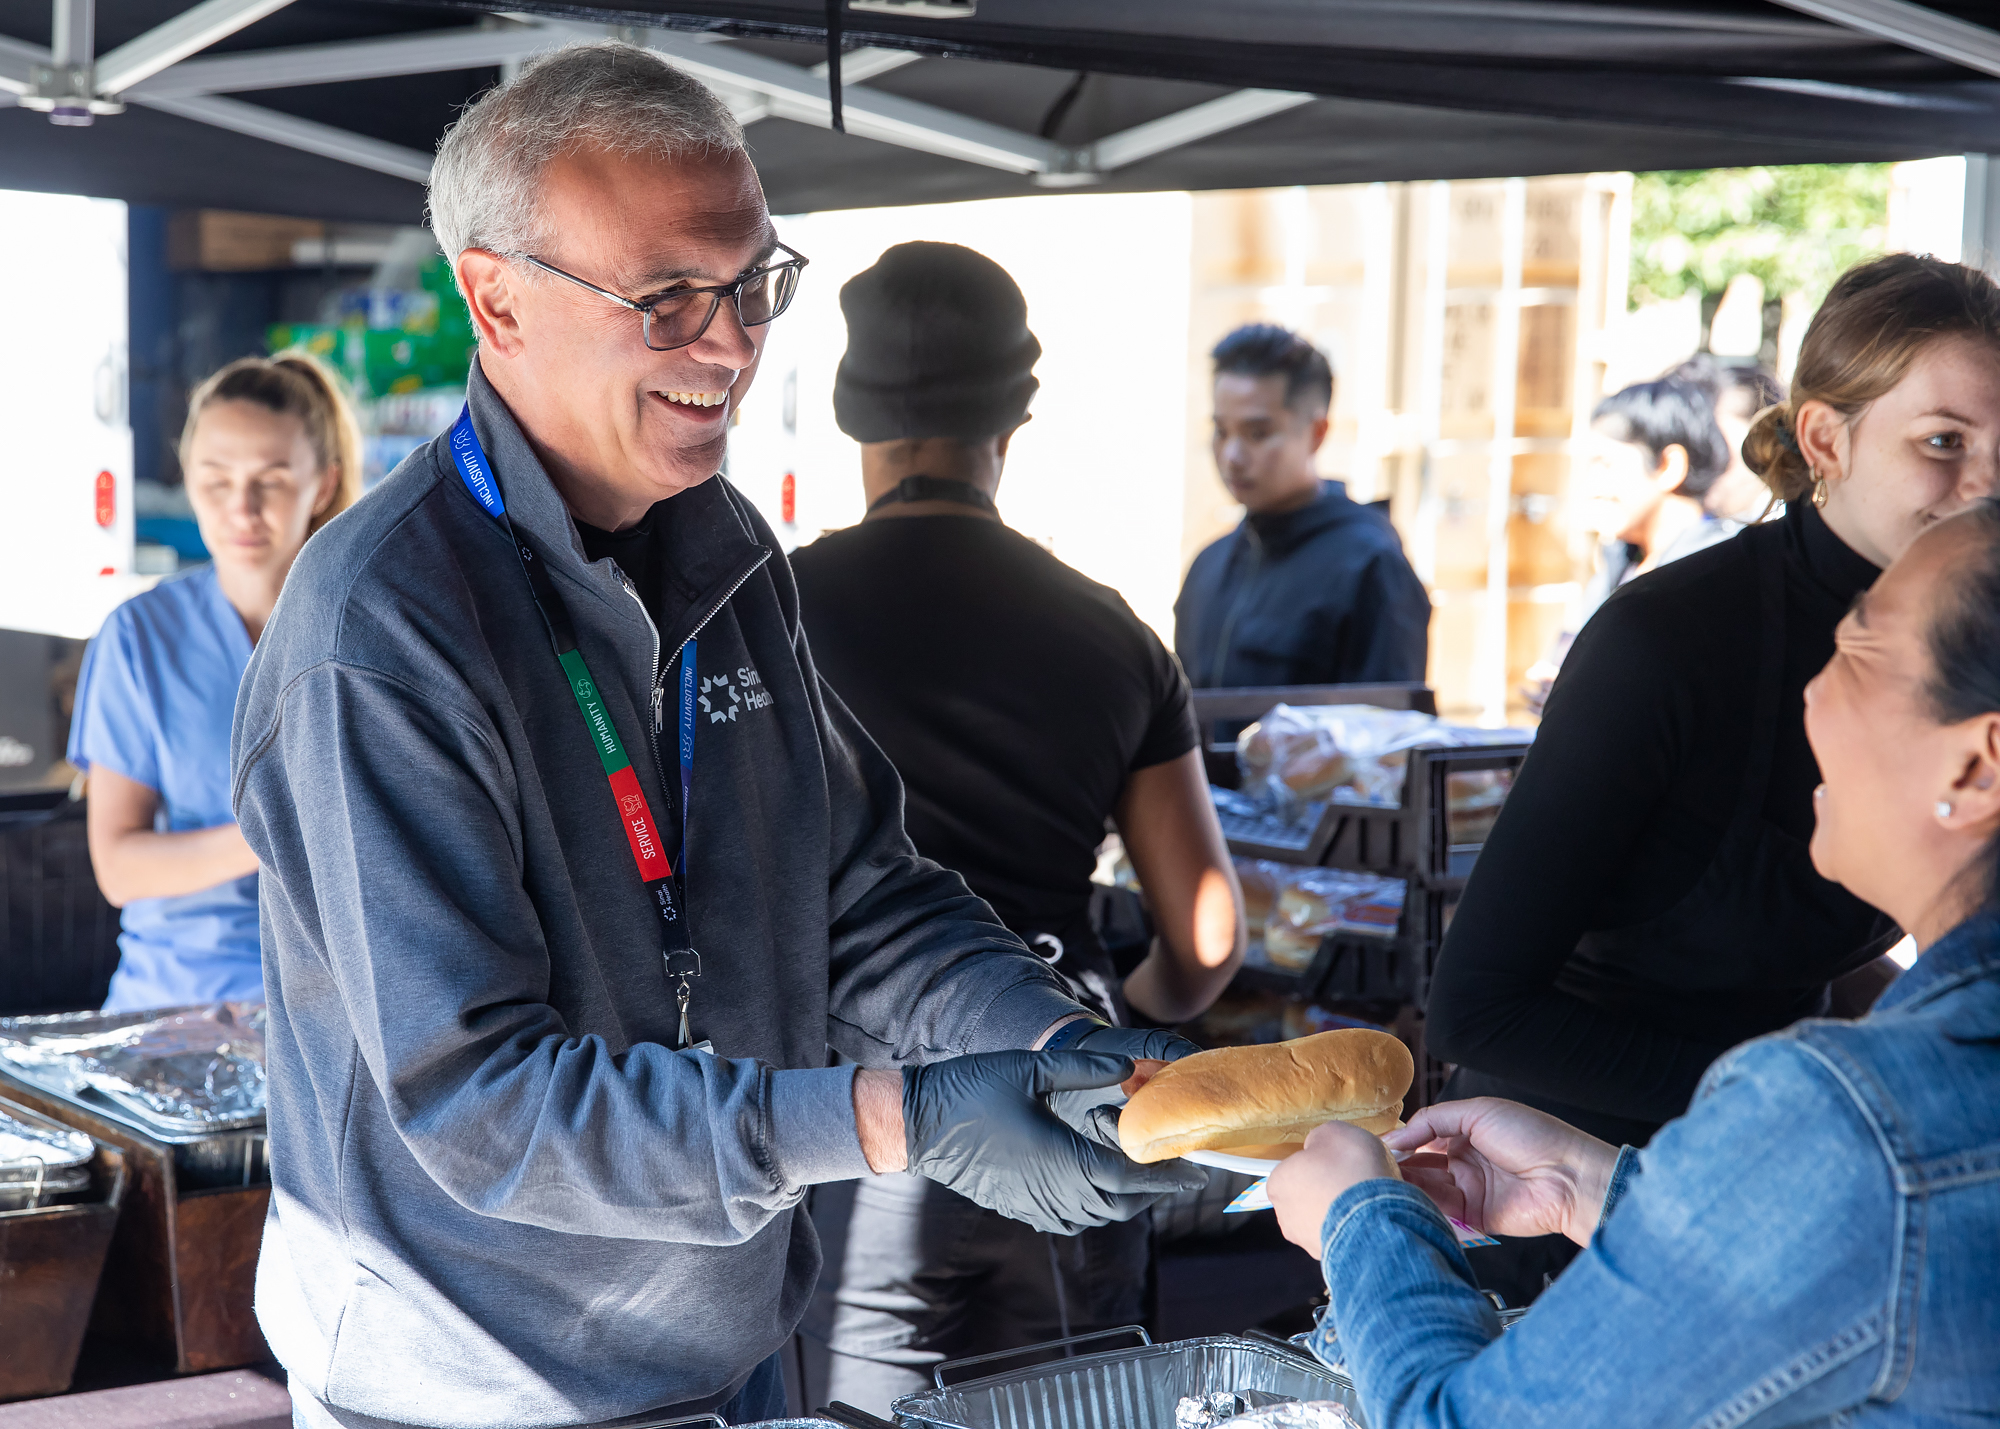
(1347, 967)
(58, 937)
(1414, 840)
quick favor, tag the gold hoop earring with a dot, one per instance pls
(1819, 490)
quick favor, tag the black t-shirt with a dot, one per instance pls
(1012, 694)
(636, 550)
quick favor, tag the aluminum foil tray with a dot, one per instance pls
(1123, 1389)
(175, 1073)
(40, 1159)
(717, 1421)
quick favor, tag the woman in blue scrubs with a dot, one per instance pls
(271, 453)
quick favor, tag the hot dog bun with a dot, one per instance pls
(1260, 1096)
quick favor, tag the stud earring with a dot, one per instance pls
(1944, 808)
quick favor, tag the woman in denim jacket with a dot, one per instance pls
(1818, 1239)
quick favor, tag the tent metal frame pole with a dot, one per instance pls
(17, 63)
(60, 80)
(162, 70)
(422, 53)
(860, 66)
(1979, 234)
(306, 134)
(1189, 126)
(798, 94)
(170, 43)
(73, 34)
(1915, 27)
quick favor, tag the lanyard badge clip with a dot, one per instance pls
(683, 967)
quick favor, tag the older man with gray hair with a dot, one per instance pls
(575, 869)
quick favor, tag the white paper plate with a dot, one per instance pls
(1223, 1161)
(1249, 1165)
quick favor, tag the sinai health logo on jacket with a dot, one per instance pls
(725, 696)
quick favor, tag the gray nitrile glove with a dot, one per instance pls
(980, 1126)
(1078, 1108)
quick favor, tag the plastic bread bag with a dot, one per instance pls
(1331, 900)
(1289, 909)
(1260, 879)
(1298, 754)
(1472, 802)
(1352, 754)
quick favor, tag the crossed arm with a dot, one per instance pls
(132, 860)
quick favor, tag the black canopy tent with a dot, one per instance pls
(330, 108)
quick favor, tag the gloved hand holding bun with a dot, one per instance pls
(981, 1125)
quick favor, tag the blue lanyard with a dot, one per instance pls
(664, 875)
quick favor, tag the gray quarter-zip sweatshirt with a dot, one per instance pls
(499, 1197)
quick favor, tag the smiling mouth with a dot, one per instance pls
(695, 399)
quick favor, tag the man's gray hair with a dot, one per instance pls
(485, 189)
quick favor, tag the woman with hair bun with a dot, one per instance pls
(1647, 899)
(271, 453)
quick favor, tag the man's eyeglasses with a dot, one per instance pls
(679, 316)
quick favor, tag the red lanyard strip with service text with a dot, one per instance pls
(667, 884)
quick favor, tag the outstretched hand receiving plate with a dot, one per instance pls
(1506, 1169)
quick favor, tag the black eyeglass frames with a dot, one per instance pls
(681, 315)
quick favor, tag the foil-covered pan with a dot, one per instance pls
(174, 1073)
(40, 1160)
(1140, 1388)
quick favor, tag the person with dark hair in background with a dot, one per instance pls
(1654, 452)
(1647, 899)
(1738, 393)
(1312, 588)
(1023, 705)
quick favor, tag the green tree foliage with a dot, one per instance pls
(1796, 228)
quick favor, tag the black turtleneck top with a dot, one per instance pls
(1616, 817)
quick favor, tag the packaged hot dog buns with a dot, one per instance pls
(1260, 890)
(1355, 754)
(1233, 1098)
(1288, 948)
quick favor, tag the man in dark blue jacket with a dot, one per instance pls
(1312, 588)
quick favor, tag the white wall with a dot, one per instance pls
(62, 413)
(1097, 474)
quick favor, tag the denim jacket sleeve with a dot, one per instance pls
(1744, 1275)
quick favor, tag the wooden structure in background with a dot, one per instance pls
(1466, 324)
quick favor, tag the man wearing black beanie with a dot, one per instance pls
(1023, 705)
